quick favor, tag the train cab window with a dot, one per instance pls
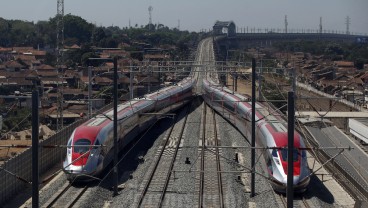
(284, 154)
(274, 153)
(304, 153)
(83, 149)
(69, 144)
(96, 143)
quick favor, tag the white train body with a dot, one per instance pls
(83, 161)
(271, 131)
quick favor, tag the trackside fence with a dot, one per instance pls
(21, 165)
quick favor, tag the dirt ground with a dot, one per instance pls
(6, 152)
(20, 138)
(244, 86)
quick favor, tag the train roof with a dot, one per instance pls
(101, 119)
(272, 122)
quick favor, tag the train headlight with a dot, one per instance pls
(277, 161)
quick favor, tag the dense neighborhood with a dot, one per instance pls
(336, 69)
(25, 66)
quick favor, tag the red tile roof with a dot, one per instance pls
(13, 64)
(45, 67)
(344, 63)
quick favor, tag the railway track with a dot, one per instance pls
(340, 173)
(299, 201)
(155, 186)
(67, 196)
(211, 190)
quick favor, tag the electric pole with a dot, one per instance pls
(286, 24)
(150, 8)
(347, 25)
(60, 51)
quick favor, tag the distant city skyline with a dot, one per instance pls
(199, 15)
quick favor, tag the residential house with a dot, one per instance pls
(13, 66)
(344, 67)
(19, 81)
(72, 77)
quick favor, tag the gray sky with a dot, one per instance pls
(195, 15)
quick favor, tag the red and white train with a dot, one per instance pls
(83, 161)
(271, 131)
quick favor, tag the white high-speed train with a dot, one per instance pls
(83, 161)
(271, 131)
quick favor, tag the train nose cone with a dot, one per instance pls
(296, 180)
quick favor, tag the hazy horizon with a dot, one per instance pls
(198, 15)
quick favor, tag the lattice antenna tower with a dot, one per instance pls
(178, 24)
(320, 25)
(150, 9)
(59, 60)
(286, 24)
(60, 29)
(347, 25)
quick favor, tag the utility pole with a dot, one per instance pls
(131, 90)
(290, 152)
(260, 80)
(60, 51)
(347, 25)
(35, 129)
(253, 142)
(115, 93)
(89, 91)
(150, 8)
(286, 24)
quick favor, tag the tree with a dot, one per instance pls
(85, 59)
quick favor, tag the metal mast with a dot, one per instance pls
(150, 8)
(59, 50)
(347, 25)
(320, 25)
(286, 24)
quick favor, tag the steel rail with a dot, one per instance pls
(145, 189)
(201, 180)
(219, 178)
(167, 180)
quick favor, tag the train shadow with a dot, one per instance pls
(317, 189)
(129, 164)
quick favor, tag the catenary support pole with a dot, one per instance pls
(89, 91)
(131, 91)
(253, 143)
(115, 93)
(35, 170)
(290, 169)
(260, 82)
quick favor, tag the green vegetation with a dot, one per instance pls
(271, 92)
(16, 119)
(357, 53)
(86, 35)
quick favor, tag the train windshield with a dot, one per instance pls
(284, 154)
(81, 149)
